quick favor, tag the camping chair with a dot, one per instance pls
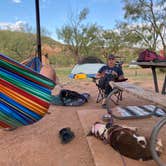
(115, 95)
(101, 92)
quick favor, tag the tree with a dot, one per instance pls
(139, 35)
(21, 45)
(148, 19)
(112, 41)
(17, 44)
(79, 37)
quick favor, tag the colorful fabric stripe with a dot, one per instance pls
(23, 100)
(24, 86)
(6, 85)
(21, 109)
(4, 125)
(46, 90)
(25, 72)
(25, 95)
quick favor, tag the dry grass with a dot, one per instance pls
(137, 75)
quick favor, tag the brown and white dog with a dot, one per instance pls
(125, 140)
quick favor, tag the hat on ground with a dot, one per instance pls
(66, 135)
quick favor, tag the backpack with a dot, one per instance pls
(70, 98)
(147, 56)
(71, 95)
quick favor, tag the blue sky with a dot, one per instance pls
(55, 13)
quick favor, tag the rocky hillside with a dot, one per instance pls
(20, 45)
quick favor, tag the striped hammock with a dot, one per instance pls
(25, 95)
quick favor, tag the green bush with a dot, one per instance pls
(61, 60)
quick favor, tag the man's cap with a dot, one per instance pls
(111, 56)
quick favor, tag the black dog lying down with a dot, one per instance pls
(125, 140)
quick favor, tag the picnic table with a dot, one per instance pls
(156, 98)
(140, 92)
(153, 66)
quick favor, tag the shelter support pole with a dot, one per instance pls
(38, 30)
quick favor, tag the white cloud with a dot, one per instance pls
(16, 1)
(17, 26)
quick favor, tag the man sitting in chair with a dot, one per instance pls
(110, 72)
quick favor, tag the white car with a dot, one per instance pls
(132, 65)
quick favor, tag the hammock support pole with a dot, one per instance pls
(38, 30)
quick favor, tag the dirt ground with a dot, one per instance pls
(39, 144)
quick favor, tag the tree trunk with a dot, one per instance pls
(76, 55)
(164, 50)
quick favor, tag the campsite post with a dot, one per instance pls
(38, 30)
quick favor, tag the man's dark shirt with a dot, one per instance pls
(108, 70)
(109, 76)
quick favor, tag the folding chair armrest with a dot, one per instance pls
(121, 80)
(94, 79)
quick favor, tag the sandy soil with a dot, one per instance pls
(39, 144)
